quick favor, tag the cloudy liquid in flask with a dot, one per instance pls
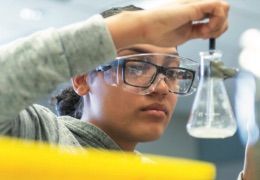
(210, 132)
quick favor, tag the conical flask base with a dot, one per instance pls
(211, 115)
(211, 132)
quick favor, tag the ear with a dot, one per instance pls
(80, 84)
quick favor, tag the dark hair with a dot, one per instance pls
(68, 102)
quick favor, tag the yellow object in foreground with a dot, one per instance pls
(36, 161)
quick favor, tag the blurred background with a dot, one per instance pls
(20, 18)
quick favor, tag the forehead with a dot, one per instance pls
(146, 48)
(171, 60)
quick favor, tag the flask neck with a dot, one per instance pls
(206, 60)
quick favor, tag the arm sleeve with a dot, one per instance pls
(32, 67)
(40, 124)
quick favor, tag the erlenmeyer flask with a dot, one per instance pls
(211, 115)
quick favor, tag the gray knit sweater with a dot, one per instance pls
(32, 67)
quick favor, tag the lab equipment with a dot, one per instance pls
(211, 115)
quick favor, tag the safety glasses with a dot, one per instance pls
(141, 73)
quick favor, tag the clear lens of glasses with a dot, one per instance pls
(140, 74)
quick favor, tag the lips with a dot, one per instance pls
(156, 107)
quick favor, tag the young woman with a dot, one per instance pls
(126, 100)
(32, 67)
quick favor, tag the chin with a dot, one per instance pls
(149, 132)
(150, 136)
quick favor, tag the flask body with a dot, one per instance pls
(211, 115)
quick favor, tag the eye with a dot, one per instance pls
(137, 68)
(184, 75)
(172, 74)
(180, 74)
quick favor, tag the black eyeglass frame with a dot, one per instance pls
(159, 70)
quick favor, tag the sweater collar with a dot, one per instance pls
(89, 135)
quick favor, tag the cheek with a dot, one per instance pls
(172, 101)
(109, 103)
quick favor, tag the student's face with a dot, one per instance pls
(126, 116)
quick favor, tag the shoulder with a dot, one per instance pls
(35, 122)
(36, 111)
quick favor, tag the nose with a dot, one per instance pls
(160, 86)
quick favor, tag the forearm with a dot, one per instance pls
(32, 67)
(169, 26)
(126, 28)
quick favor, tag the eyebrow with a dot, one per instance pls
(143, 50)
(139, 50)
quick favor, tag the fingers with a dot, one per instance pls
(170, 25)
(217, 14)
(218, 20)
(206, 31)
(209, 9)
(219, 31)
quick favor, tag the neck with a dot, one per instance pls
(125, 145)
